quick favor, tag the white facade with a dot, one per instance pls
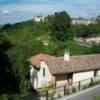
(98, 73)
(43, 76)
(82, 21)
(82, 76)
(39, 18)
(40, 80)
(43, 80)
(93, 40)
(33, 76)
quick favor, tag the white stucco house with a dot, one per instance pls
(92, 40)
(83, 21)
(39, 19)
(62, 70)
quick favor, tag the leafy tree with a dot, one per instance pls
(60, 25)
(95, 48)
(8, 80)
(82, 31)
(98, 19)
(87, 30)
(6, 26)
(19, 55)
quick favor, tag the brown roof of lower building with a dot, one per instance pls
(57, 65)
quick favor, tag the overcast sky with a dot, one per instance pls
(12, 11)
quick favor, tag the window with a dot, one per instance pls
(70, 77)
(95, 73)
(44, 72)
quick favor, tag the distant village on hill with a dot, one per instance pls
(74, 20)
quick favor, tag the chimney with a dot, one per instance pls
(66, 56)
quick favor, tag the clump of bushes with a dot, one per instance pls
(46, 87)
(74, 89)
(84, 87)
(96, 98)
(97, 82)
(54, 94)
(68, 91)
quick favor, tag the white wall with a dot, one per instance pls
(48, 76)
(95, 39)
(38, 19)
(33, 76)
(82, 76)
(36, 77)
(98, 72)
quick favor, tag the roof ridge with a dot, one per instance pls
(85, 55)
(80, 55)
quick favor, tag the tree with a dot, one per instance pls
(6, 26)
(8, 80)
(98, 19)
(13, 70)
(95, 48)
(87, 30)
(60, 25)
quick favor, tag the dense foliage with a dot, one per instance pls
(9, 82)
(60, 26)
(87, 30)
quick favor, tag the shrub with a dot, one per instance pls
(74, 89)
(46, 87)
(84, 87)
(67, 91)
(55, 95)
(97, 82)
(52, 94)
(96, 98)
(3, 97)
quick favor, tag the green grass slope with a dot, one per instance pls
(30, 35)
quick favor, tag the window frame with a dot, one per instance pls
(44, 72)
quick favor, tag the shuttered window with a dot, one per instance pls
(95, 73)
(44, 72)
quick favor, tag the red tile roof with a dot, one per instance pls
(35, 60)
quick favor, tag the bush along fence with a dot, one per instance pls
(57, 92)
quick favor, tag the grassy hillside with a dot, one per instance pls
(30, 35)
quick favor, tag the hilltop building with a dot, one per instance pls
(83, 21)
(89, 40)
(39, 19)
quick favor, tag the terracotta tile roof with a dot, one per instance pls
(35, 60)
(57, 65)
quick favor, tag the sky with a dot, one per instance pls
(12, 11)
